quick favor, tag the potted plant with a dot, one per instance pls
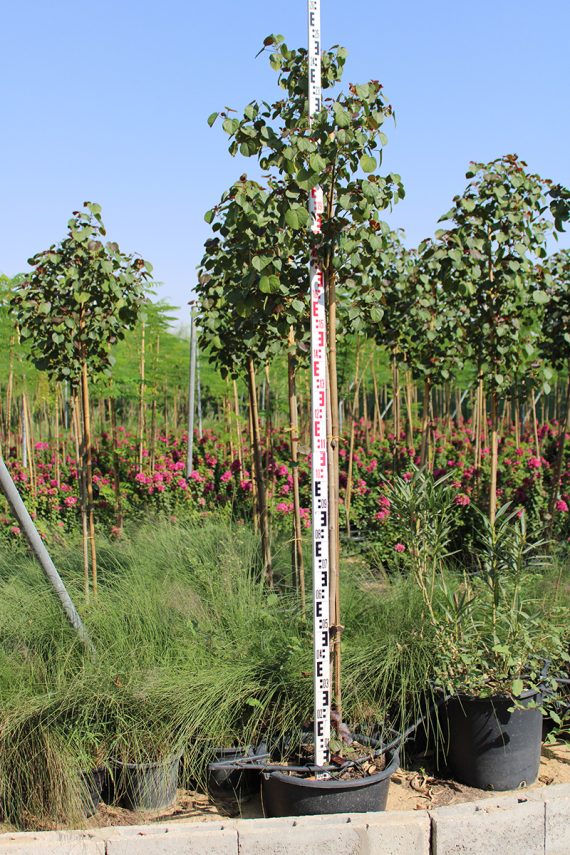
(493, 631)
(145, 751)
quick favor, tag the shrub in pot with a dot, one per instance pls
(494, 631)
(495, 637)
(146, 753)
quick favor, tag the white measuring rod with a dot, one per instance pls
(320, 481)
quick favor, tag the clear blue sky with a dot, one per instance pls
(108, 102)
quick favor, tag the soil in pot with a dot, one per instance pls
(490, 745)
(356, 789)
(147, 786)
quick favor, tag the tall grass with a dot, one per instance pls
(193, 653)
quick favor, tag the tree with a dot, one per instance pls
(81, 297)
(498, 231)
(253, 303)
(553, 279)
(340, 151)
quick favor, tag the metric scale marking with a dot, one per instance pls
(319, 464)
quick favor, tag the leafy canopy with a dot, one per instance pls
(81, 297)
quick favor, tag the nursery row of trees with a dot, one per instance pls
(473, 321)
(483, 291)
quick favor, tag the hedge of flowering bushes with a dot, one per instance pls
(218, 480)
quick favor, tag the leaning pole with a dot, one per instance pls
(38, 548)
(319, 467)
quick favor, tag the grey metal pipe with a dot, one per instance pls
(191, 393)
(38, 548)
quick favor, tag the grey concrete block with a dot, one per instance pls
(51, 843)
(557, 830)
(507, 825)
(302, 836)
(173, 839)
(398, 833)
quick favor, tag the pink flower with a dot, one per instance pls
(15, 530)
(182, 484)
(382, 515)
(226, 476)
(282, 470)
(407, 476)
(70, 501)
(399, 547)
(534, 463)
(462, 500)
(561, 506)
(384, 502)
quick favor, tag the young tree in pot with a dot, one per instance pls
(81, 297)
(343, 142)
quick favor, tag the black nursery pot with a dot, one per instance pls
(92, 788)
(288, 795)
(147, 786)
(491, 748)
(223, 780)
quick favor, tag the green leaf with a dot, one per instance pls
(212, 118)
(291, 218)
(317, 163)
(540, 297)
(367, 163)
(517, 687)
(269, 284)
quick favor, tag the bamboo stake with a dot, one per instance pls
(258, 465)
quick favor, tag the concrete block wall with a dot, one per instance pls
(536, 822)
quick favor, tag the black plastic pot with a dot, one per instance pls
(147, 786)
(92, 787)
(289, 795)
(491, 748)
(223, 778)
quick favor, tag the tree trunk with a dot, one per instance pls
(88, 466)
(425, 423)
(353, 417)
(297, 552)
(141, 400)
(563, 429)
(238, 427)
(494, 458)
(409, 410)
(116, 471)
(261, 499)
(334, 532)
(56, 438)
(75, 418)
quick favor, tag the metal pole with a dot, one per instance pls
(319, 463)
(191, 390)
(38, 548)
(199, 391)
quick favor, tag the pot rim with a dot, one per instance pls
(326, 783)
